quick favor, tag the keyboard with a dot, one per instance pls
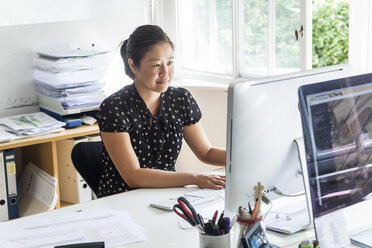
(195, 198)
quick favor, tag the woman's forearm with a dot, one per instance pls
(154, 178)
(215, 156)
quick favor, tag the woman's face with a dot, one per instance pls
(156, 69)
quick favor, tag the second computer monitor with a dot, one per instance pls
(263, 120)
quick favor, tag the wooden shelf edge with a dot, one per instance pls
(66, 134)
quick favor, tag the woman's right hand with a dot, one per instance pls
(210, 181)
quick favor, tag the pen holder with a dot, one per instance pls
(209, 241)
(244, 226)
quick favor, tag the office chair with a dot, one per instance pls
(87, 160)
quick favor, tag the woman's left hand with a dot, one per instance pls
(210, 181)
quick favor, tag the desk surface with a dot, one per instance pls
(163, 227)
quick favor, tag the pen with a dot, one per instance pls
(250, 208)
(227, 227)
(221, 217)
(215, 217)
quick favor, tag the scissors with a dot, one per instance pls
(185, 210)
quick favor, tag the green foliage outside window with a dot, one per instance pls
(330, 32)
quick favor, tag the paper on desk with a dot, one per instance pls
(292, 216)
(293, 223)
(331, 230)
(363, 238)
(37, 190)
(101, 224)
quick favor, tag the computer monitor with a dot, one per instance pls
(263, 120)
(337, 128)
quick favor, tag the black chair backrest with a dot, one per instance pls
(87, 160)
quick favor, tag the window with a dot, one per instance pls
(257, 40)
(330, 32)
(241, 38)
(206, 37)
(268, 45)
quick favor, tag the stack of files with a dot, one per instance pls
(28, 125)
(37, 191)
(59, 59)
(68, 80)
(8, 186)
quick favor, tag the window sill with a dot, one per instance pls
(199, 84)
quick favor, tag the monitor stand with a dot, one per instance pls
(289, 214)
(302, 158)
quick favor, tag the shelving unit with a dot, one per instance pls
(42, 150)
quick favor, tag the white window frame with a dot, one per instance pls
(164, 14)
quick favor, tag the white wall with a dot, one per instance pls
(20, 12)
(213, 104)
(79, 28)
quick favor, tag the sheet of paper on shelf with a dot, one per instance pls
(27, 125)
(99, 224)
(37, 191)
(7, 136)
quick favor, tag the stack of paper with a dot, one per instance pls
(115, 228)
(28, 125)
(69, 79)
(36, 191)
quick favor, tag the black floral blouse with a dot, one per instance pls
(156, 145)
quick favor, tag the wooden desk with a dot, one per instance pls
(42, 150)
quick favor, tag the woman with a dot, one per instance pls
(142, 125)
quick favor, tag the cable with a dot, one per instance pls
(268, 211)
(278, 192)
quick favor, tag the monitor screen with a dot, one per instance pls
(337, 128)
(263, 119)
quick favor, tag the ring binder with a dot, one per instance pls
(3, 195)
(11, 184)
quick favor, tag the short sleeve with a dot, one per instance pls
(192, 113)
(112, 117)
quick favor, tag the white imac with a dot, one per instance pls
(263, 120)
